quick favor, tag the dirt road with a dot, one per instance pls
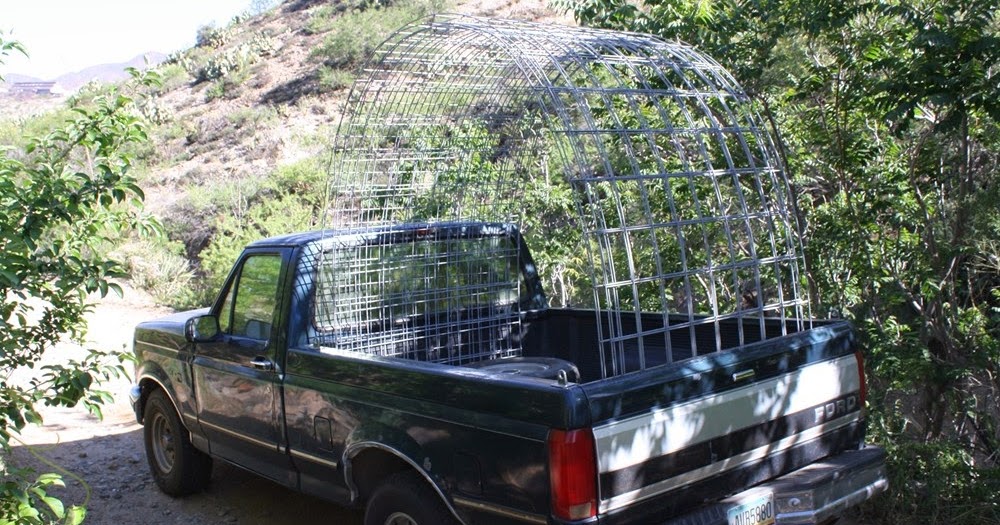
(104, 465)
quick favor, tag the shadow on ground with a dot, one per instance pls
(113, 469)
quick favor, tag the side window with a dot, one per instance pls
(253, 298)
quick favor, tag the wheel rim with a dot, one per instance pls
(162, 443)
(400, 518)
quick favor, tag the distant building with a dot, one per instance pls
(32, 88)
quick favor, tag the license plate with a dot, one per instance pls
(758, 511)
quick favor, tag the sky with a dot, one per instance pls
(64, 36)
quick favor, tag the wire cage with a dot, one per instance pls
(637, 170)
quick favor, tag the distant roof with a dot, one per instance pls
(32, 87)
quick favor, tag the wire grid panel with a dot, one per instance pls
(680, 211)
(443, 293)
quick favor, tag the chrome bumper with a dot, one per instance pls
(810, 495)
(826, 489)
(134, 399)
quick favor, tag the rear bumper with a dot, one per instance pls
(810, 495)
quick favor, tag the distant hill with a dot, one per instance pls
(12, 78)
(224, 134)
(106, 72)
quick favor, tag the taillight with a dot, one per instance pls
(573, 473)
(861, 376)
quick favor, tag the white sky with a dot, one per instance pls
(64, 36)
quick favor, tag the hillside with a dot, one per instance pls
(241, 124)
(71, 82)
(278, 109)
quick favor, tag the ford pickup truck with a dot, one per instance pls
(461, 396)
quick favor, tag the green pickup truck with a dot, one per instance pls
(418, 371)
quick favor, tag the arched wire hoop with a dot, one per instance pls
(637, 170)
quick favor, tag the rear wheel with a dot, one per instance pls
(177, 467)
(406, 499)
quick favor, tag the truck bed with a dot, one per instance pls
(696, 424)
(572, 334)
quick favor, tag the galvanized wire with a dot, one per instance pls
(682, 204)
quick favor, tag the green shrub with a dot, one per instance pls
(239, 211)
(939, 483)
(160, 268)
(321, 19)
(306, 180)
(238, 58)
(16, 133)
(67, 195)
(216, 91)
(333, 79)
(211, 36)
(27, 500)
(252, 118)
(266, 218)
(356, 34)
(173, 76)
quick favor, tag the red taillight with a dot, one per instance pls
(573, 474)
(861, 376)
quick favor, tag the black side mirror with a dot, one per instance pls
(202, 329)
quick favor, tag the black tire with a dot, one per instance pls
(177, 467)
(407, 499)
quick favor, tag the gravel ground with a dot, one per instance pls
(103, 462)
(106, 460)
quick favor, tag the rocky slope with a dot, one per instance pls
(275, 111)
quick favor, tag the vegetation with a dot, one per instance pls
(68, 196)
(889, 112)
(355, 33)
(289, 199)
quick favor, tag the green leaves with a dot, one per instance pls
(9, 46)
(890, 114)
(68, 196)
(27, 502)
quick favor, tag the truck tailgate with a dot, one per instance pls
(676, 435)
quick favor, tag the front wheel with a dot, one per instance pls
(406, 499)
(177, 467)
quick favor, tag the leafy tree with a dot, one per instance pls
(889, 112)
(66, 197)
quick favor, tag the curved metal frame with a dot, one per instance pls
(683, 222)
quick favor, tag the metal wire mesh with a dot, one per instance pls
(445, 293)
(645, 156)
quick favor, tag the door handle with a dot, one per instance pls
(262, 363)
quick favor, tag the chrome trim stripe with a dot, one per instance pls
(243, 437)
(635, 440)
(707, 471)
(154, 345)
(315, 459)
(501, 511)
(737, 442)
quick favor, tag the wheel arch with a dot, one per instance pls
(367, 464)
(148, 385)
